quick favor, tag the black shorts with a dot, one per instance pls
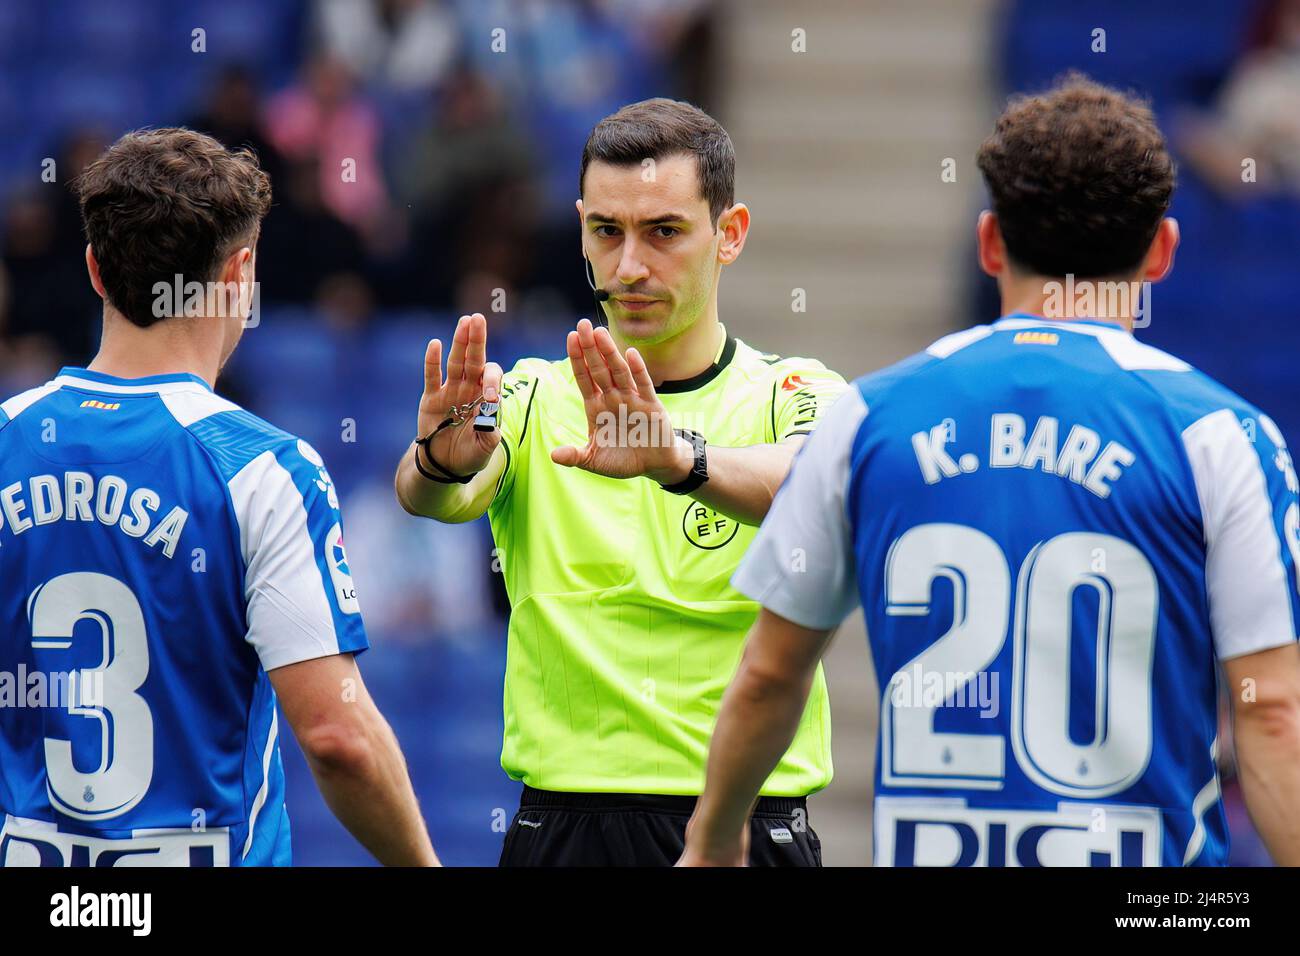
(633, 829)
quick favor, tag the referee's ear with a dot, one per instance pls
(733, 223)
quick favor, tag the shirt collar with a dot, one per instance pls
(178, 381)
(726, 352)
(1022, 319)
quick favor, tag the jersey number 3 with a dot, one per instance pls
(123, 763)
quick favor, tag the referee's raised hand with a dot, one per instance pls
(471, 378)
(629, 433)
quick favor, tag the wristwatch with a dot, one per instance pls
(699, 470)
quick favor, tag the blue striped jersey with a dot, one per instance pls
(161, 549)
(1054, 531)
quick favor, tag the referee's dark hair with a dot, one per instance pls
(653, 129)
(1080, 178)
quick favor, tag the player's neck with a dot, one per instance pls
(683, 356)
(168, 348)
(1070, 299)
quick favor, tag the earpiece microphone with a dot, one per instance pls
(600, 294)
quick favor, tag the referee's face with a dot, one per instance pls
(652, 245)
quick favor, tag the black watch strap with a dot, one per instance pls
(699, 470)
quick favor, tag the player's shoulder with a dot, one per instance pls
(1186, 393)
(236, 439)
(16, 405)
(1191, 395)
(875, 385)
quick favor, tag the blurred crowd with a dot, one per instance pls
(1255, 114)
(1224, 81)
(423, 156)
(423, 153)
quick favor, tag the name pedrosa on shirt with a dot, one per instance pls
(79, 496)
(1074, 453)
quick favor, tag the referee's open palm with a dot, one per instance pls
(628, 430)
(461, 449)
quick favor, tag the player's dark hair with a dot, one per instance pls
(653, 129)
(165, 202)
(1080, 179)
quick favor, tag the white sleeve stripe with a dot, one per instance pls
(267, 753)
(289, 613)
(1208, 796)
(955, 341)
(15, 406)
(248, 479)
(192, 405)
(1245, 578)
(1132, 356)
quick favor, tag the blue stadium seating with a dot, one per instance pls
(1228, 305)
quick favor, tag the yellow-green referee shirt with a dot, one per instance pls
(625, 629)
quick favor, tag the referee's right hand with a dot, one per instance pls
(460, 449)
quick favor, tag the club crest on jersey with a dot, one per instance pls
(707, 529)
(336, 557)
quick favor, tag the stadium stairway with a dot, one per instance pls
(839, 156)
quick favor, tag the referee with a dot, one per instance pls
(623, 486)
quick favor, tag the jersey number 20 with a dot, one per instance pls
(915, 754)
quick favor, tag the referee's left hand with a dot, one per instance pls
(628, 430)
